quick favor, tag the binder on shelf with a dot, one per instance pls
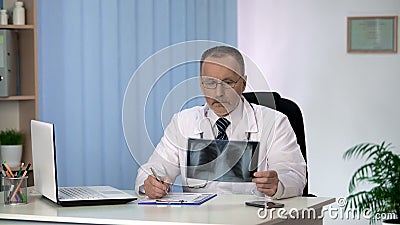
(8, 62)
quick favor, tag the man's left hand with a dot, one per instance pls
(266, 182)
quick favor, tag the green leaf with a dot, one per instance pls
(11, 137)
(359, 175)
(382, 170)
(359, 150)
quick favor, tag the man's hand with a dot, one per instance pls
(266, 182)
(156, 189)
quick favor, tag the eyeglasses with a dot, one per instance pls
(210, 83)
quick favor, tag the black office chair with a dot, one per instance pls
(292, 111)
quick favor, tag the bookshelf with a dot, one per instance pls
(17, 111)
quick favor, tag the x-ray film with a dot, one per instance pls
(222, 160)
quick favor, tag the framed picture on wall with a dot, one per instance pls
(372, 34)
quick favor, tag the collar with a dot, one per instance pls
(244, 112)
(234, 117)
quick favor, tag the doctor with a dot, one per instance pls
(227, 115)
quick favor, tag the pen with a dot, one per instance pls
(7, 174)
(17, 197)
(20, 169)
(170, 201)
(4, 170)
(156, 176)
(11, 190)
(22, 179)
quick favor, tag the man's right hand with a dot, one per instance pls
(156, 189)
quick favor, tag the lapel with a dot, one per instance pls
(249, 116)
(248, 124)
(204, 128)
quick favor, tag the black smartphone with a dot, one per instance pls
(264, 204)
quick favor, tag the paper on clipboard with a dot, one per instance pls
(180, 199)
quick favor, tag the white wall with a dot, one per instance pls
(300, 45)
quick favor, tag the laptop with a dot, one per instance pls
(45, 174)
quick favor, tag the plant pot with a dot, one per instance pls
(391, 222)
(12, 154)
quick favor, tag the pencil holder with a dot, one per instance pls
(15, 190)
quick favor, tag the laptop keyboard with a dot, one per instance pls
(78, 193)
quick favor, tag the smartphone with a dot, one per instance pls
(264, 204)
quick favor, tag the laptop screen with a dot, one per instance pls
(43, 156)
(45, 174)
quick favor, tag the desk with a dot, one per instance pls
(223, 209)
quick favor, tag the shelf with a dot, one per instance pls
(18, 98)
(17, 27)
(18, 110)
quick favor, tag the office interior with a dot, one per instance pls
(89, 50)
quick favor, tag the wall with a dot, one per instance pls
(346, 98)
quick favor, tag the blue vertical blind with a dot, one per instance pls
(88, 51)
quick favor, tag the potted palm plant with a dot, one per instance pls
(382, 170)
(11, 147)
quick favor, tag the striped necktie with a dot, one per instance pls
(222, 124)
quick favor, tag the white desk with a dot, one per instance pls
(223, 209)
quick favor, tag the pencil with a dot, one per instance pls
(20, 182)
(8, 169)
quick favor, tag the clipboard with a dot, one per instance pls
(180, 199)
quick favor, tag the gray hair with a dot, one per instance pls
(222, 51)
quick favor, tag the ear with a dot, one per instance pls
(244, 82)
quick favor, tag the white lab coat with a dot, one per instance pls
(279, 150)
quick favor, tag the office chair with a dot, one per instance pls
(292, 111)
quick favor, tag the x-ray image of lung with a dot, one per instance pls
(221, 160)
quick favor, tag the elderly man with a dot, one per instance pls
(281, 171)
